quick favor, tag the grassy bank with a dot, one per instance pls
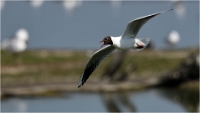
(48, 67)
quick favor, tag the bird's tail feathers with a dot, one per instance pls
(142, 41)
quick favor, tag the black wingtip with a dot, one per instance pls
(80, 85)
(167, 11)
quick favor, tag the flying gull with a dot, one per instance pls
(126, 41)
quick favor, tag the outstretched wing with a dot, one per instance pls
(134, 26)
(94, 61)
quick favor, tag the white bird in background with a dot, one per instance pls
(71, 5)
(2, 4)
(173, 38)
(17, 43)
(127, 40)
(36, 3)
(179, 8)
(116, 3)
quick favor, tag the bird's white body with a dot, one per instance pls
(123, 43)
(127, 43)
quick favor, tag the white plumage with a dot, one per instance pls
(17, 43)
(173, 38)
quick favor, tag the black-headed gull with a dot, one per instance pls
(126, 41)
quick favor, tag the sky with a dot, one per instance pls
(83, 24)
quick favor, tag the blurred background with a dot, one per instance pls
(46, 44)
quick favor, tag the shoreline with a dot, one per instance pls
(51, 72)
(56, 89)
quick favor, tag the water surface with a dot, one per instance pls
(150, 100)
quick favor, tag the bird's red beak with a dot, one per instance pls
(102, 44)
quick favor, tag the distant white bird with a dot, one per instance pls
(2, 4)
(116, 3)
(179, 8)
(36, 3)
(70, 5)
(127, 40)
(17, 43)
(173, 38)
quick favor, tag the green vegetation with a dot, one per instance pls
(43, 67)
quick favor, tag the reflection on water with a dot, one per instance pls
(151, 100)
(189, 99)
(16, 104)
(117, 102)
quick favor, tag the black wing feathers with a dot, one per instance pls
(94, 62)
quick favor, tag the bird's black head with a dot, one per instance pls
(107, 40)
